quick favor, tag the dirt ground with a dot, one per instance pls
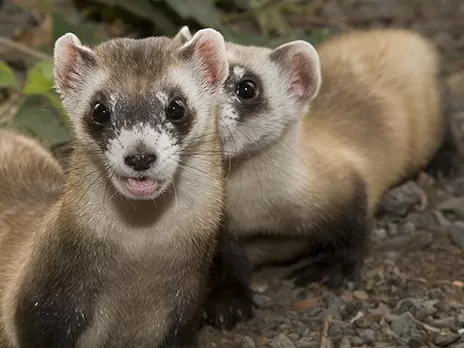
(412, 292)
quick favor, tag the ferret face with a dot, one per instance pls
(257, 101)
(266, 90)
(140, 106)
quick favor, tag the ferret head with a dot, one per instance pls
(139, 106)
(266, 90)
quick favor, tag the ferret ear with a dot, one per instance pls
(72, 61)
(207, 49)
(183, 35)
(301, 60)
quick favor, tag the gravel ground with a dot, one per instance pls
(412, 292)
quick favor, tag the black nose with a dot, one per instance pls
(140, 162)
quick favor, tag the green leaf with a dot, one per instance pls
(144, 9)
(203, 11)
(89, 34)
(36, 118)
(7, 76)
(39, 79)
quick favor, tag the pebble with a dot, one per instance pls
(404, 325)
(446, 340)
(281, 341)
(408, 228)
(415, 342)
(263, 301)
(367, 336)
(248, 342)
(360, 295)
(345, 343)
(456, 233)
(380, 233)
(304, 305)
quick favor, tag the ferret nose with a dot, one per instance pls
(140, 162)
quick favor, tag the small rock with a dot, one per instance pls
(262, 301)
(436, 294)
(392, 229)
(456, 233)
(281, 341)
(404, 325)
(360, 295)
(380, 233)
(458, 284)
(453, 205)
(399, 200)
(248, 342)
(408, 227)
(345, 343)
(444, 323)
(446, 340)
(415, 342)
(357, 341)
(460, 320)
(259, 287)
(421, 240)
(304, 305)
(367, 336)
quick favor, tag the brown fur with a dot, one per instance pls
(83, 266)
(35, 226)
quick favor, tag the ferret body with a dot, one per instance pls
(305, 182)
(120, 256)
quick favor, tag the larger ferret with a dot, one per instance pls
(314, 139)
(120, 257)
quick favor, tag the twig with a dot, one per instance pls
(325, 331)
(4, 41)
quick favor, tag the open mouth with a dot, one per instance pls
(141, 187)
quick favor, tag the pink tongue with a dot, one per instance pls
(144, 187)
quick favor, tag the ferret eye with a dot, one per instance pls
(246, 89)
(100, 113)
(175, 112)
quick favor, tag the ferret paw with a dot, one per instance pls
(327, 269)
(226, 307)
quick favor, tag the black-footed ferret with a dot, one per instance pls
(120, 256)
(314, 139)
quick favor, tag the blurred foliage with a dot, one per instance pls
(258, 22)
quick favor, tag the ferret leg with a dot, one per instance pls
(339, 256)
(229, 300)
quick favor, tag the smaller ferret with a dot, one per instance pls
(313, 139)
(119, 256)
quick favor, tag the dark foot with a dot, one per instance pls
(332, 269)
(227, 306)
(230, 298)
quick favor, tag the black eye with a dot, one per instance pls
(246, 89)
(100, 113)
(175, 112)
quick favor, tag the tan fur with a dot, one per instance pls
(397, 68)
(377, 116)
(30, 182)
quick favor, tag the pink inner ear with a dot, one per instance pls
(66, 61)
(300, 84)
(210, 57)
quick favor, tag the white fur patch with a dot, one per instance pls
(157, 141)
(163, 97)
(239, 72)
